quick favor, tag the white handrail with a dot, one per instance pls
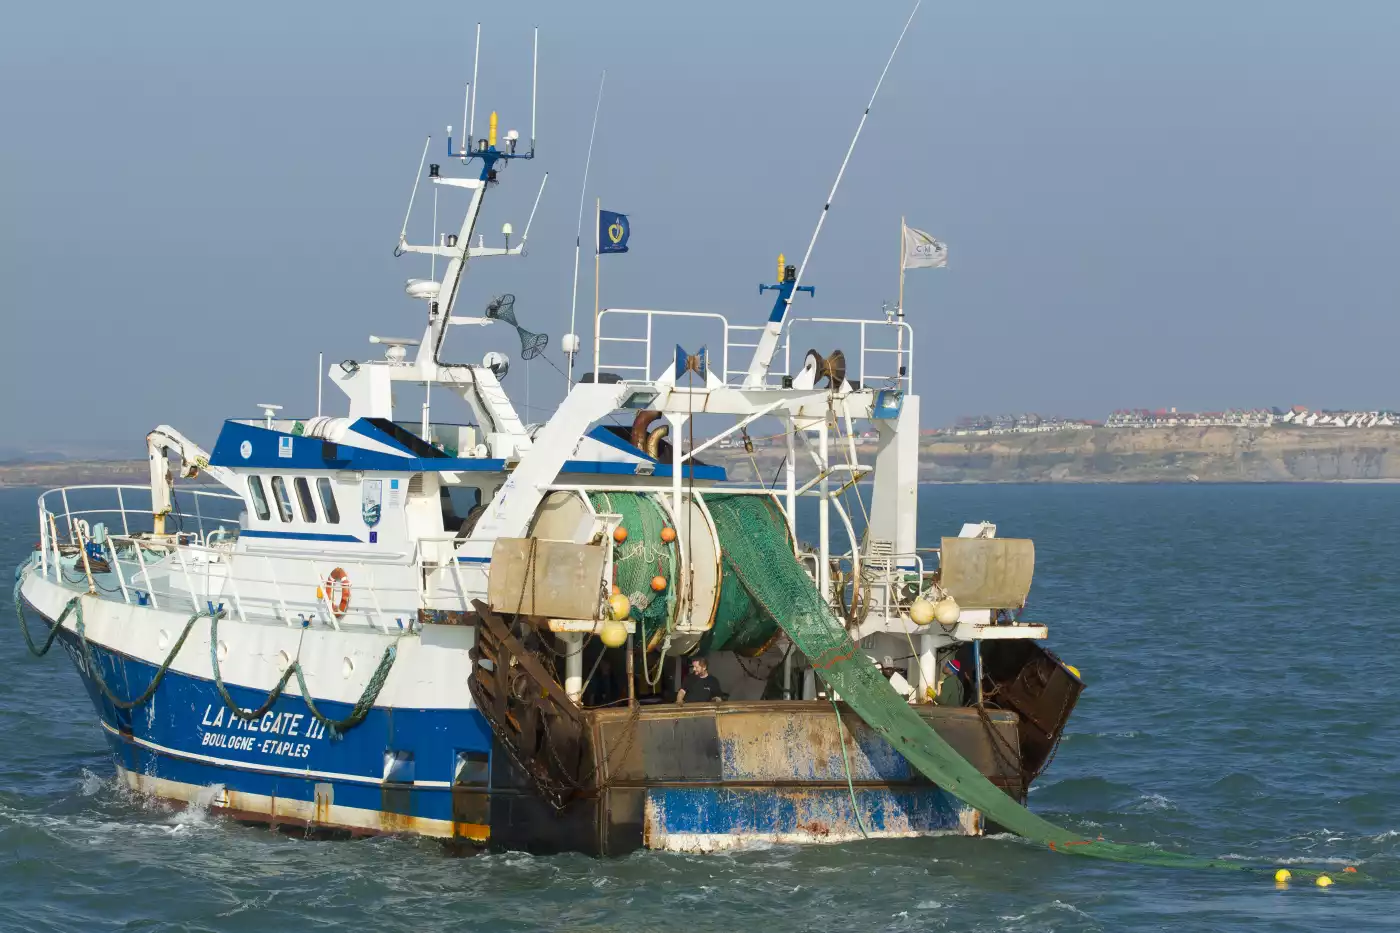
(906, 381)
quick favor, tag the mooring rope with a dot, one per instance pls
(75, 605)
(336, 727)
(39, 652)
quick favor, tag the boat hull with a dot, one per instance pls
(701, 777)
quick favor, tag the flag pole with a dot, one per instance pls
(597, 245)
(899, 311)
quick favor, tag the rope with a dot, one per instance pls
(75, 605)
(335, 726)
(850, 785)
(39, 652)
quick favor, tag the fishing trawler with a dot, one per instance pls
(479, 630)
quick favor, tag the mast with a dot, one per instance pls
(494, 155)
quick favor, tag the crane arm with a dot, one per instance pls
(193, 459)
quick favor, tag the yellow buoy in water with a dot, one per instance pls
(1282, 875)
(921, 612)
(619, 607)
(1323, 881)
(946, 610)
(613, 633)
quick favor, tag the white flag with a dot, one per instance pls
(922, 251)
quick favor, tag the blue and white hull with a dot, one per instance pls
(423, 760)
(405, 768)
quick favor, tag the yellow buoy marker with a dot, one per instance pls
(613, 634)
(619, 607)
(946, 610)
(1282, 875)
(1323, 881)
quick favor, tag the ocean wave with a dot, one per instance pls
(1154, 802)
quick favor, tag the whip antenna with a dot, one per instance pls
(403, 234)
(826, 208)
(768, 343)
(534, 88)
(471, 119)
(467, 137)
(543, 181)
(571, 340)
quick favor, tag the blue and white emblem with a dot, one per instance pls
(284, 447)
(245, 449)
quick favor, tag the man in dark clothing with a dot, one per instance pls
(699, 686)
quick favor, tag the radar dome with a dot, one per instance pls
(425, 289)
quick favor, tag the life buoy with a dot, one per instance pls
(338, 578)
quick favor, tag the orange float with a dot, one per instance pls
(658, 583)
(668, 534)
(619, 534)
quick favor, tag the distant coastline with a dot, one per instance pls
(1214, 454)
(1210, 454)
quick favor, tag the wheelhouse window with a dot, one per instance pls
(284, 501)
(255, 490)
(328, 506)
(308, 505)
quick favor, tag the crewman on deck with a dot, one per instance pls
(700, 686)
(949, 691)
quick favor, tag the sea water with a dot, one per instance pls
(1238, 643)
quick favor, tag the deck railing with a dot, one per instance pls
(203, 569)
(630, 354)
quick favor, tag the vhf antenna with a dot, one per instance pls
(403, 233)
(476, 61)
(469, 143)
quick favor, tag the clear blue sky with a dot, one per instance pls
(1189, 203)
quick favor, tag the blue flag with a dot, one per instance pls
(613, 231)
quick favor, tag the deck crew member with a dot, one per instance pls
(700, 686)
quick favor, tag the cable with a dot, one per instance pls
(850, 785)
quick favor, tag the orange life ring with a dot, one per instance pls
(338, 578)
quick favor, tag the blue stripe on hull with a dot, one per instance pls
(186, 734)
(812, 813)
